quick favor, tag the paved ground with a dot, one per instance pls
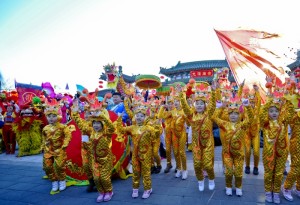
(21, 183)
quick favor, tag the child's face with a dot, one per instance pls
(97, 125)
(140, 118)
(170, 105)
(177, 104)
(10, 108)
(234, 116)
(200, 106)
(273, 113)
(52, 118)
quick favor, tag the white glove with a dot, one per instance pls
(85, 138)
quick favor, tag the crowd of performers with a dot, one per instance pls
(38, 127)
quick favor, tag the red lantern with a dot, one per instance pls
(162, 77)
(269, 85)
(100, 82)
(100, 86)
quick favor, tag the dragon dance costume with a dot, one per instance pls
(99, 149)
(167, 116)
(275, 150)
(142, 138)
(252, 138)
(28, 128)
(179, 139)
(294, 148)
(233, 145)
(202, 137)
(55, 139)
(153, 121)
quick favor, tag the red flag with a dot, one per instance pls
(26, 92)
(252, 56)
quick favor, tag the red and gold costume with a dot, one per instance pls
(167, 116)
(233, 143)
(9, 136)
(142, 138)
(294, 144)
(202, 137)
(153, 121)
(99, 149)
(294, 148)
(55, 139)
(275, 150)
(252, 138)
(28, 128)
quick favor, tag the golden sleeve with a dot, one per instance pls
(163, 114)
(127, 109)
(185, 106)
(287, 112)
(240, 91)
(120, 128)
(216, 118)
(264, 115)
(218, 94)
(68, 136)
(109, 127)
(83, 125)
(212, 104)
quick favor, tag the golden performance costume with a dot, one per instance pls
(153, 121)
(202, 137)
(294, 148)
(275, 150)
(233, 147)
(99, 147)
(142, 138)
(167, 116)
(56, 138)
(252, 138)
(179, 140)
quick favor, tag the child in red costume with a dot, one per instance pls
(9, 137)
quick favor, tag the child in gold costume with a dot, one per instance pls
(142, 138)
(252, 138)
(274, 119)
(294, 145)
(179, 136)
(55, 139)
(233, 142)
(100, 131)
(202, 137)
(166, 112)
(153, 121)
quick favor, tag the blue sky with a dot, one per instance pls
(69, 41)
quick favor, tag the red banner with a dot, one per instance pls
(253, 55)
(201, 73)
(26, 92)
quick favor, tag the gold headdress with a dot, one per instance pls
(201, 92)
(234, 104)
(52, 107)
(141, 109)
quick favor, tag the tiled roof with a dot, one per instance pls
(294, 65)
(186, 80)
(180, 67)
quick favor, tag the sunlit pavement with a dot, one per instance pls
(21, 183)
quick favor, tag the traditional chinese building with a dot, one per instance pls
(293, 66)
(199, 70)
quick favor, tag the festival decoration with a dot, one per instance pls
(147, 81)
